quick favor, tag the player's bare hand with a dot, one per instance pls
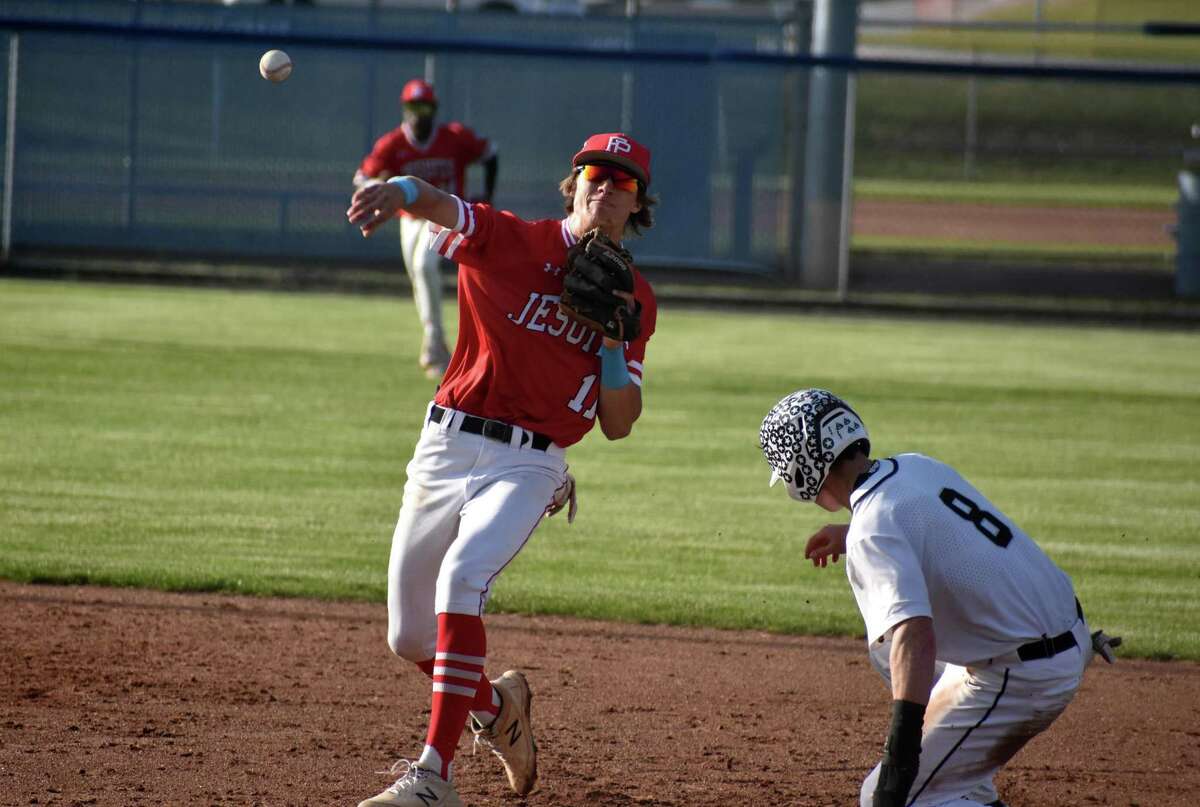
(564, 496)
(374, 204)
(827, 544)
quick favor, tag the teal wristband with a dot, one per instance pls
(409, 186)
(614, 373)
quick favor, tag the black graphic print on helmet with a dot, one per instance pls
(803, 434)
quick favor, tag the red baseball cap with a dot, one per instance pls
(619, 149)
(418, 91)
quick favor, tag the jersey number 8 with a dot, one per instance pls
(992, 528)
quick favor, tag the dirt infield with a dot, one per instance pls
(122, 697)
(1018, 224)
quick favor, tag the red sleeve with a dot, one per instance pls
(483, 237)
(471, 147)
(379, 162)
(635, 352)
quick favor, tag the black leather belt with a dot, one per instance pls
(1046, 647)
(496, 430)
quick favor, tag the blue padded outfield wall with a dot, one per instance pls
(145, 126)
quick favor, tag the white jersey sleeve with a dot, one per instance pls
(884, 568)
(925, 542)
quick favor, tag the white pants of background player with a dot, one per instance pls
(424, 271)
(979, 718)
(470, 504)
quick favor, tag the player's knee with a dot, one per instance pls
(460, 591)
(411, 645)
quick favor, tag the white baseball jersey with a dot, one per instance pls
(925, 542)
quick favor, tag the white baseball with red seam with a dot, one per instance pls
(275, 65)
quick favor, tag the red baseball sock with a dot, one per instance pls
(485, 705)
(458, 681)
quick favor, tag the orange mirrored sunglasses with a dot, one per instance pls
(621, 180)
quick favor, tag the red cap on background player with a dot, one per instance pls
(418, 91)
(618, 149)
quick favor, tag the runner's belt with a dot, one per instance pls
(1047, 647)
(496, 430)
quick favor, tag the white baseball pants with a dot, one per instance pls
(979, 718)
(424, 271)
(470, 504)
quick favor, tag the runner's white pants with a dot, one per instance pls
(979, 718)
(470, 504)
(424, 271)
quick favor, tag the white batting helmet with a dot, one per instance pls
(803, 434)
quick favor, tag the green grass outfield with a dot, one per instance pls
(256, 442)
(1074, 253)
(1034, 132)
(1020, 194)
(1087, 45)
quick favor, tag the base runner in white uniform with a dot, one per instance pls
(950, 582)
(525, 383)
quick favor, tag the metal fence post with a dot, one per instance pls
(743, 202)
(217, 95)
(971, 138)
(131, 157)
(843, 267)
(1187, 230)
(834, 34)
(796, 82)
(632, 10)
(10, 146)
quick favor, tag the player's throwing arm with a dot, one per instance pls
(377, 202)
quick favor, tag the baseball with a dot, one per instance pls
(275, 65)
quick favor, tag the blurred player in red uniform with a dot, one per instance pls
(440, 156)
(525, 382)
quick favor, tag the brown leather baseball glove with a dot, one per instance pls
(596, 269)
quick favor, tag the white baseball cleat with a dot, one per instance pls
(416, 787)
(510, 736)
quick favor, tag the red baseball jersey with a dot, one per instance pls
(518, 359)
(442, 162)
